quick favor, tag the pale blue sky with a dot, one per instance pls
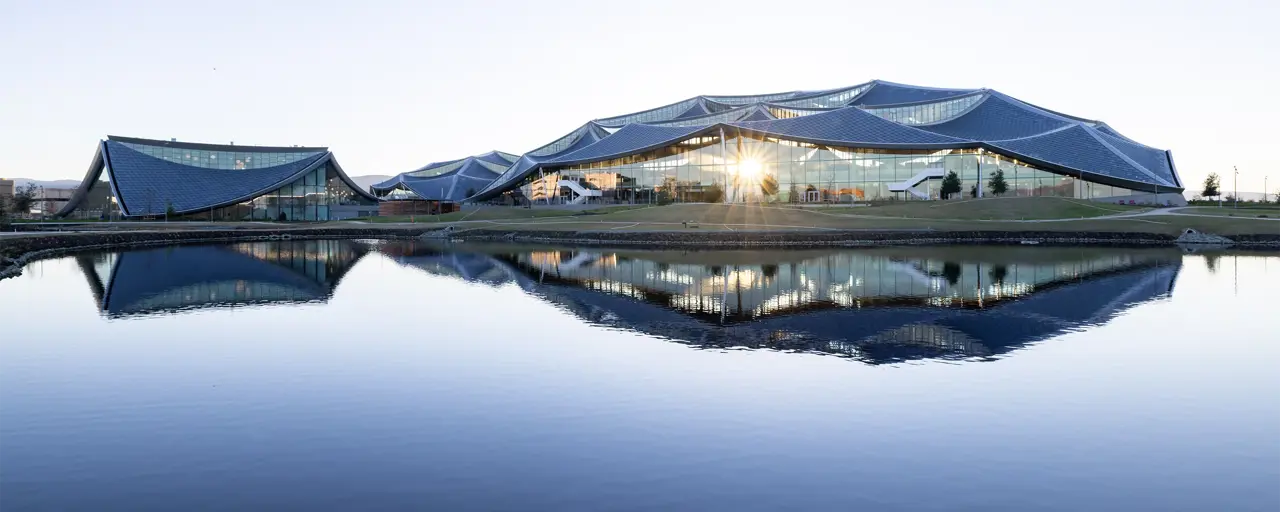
(390, 86)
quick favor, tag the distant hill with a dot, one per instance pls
(369, 179)
(19, 183)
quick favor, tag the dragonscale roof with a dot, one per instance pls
(875, 114)
(150, 177)
(451, 180)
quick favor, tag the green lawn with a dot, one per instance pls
(500, 213)
(733, 217)
(999, 208)
(1253, 211)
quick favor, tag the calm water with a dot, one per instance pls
(346, 375)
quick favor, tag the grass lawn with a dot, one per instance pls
(1272, 212)
(733, 217)
(500, 213)
(999, 208)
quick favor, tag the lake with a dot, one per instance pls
(392, 375)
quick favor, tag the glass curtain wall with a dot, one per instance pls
(306, 199)
(770, 170)
(847, 279)
(229, 160)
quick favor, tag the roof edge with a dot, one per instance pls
(214, 147)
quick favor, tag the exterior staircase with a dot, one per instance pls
(909, 185)
(582, 192)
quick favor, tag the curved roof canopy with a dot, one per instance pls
(147, 281)
(451, 180)
(149, 176)
(892, 321)
(876, 114)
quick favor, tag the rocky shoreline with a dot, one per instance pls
(16, 252)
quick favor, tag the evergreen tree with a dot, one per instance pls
(1211, 185)
(713, 193)
(23, 199)
(998, 185)
(769, 186)
(998, 273)
(951, 272)
(950, 185)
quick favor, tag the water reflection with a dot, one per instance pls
(875, 305)
(187, 277)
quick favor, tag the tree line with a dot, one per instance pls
(951, 185)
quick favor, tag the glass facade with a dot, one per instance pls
(649, 116)
(229, 160)
(831, 100)
(768, 170)
(865, 278)
(744, 100)
(560, 144)
(308, 198)
(707, 120)
(438, 170)
(927, 113)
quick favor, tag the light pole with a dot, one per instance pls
(1235, 184)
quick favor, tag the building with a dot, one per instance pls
(50, 200)
(877, 305)
(192, 277)
(6, 188)
(442, 182)
(873, 141)
(142, 178)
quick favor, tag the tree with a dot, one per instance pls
(1211, 184)
(998, 273)
(998, 185)
(714, 193)
(769, 185)
(1278, 196)
(973, 191)
(169, 212)
(4, 212)
(951, 272)
(23, 199)
(1211, 261)
(794, 195)
(950, 185)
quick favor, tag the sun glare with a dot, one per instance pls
(749, 168)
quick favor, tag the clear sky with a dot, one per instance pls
(390, 86)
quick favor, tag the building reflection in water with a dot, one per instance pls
(186, 277)
(876, 305)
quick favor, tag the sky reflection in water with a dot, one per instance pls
(348, 374)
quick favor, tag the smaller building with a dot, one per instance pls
(143, 178)
(50, 200)
(439, 187)
(6, 188)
